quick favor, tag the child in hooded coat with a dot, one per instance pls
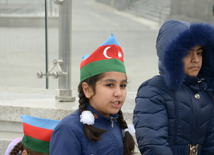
(174, 110)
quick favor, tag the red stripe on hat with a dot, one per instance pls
(37, 132)
(104, 52)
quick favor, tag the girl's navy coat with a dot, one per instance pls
(174, 110)
(68, 137)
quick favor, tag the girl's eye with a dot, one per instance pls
(200, 53)
(110, 85)
(123, 85)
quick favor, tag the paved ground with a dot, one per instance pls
(22, 49)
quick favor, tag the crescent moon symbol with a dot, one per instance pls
(105, 52)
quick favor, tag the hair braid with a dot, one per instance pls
(92, 133)
(128, 142)
(121, 121)
(18, 147)
(82, 99)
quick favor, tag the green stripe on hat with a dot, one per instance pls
(36, 144)
(98, 67)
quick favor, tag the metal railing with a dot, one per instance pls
(64, 62)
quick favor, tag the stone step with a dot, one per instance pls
(155, 10)
(9, 136)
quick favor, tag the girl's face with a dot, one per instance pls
(110, 93)
(193, 61)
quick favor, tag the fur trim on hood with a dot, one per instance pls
(175, 38)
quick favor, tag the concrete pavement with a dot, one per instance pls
(23, 49)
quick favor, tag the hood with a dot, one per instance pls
(175, 38)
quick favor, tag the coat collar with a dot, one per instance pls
(89, 107)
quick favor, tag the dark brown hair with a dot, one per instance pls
(21, 147)
(93, 133)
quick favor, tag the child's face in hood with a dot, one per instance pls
(193, 61)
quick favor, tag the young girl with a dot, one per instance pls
(97, 127)
(37, 135)
(173, 114)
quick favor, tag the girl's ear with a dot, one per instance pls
(88, 91)
(24, 152)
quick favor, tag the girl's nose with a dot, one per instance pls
(195, 57)
(118, 92)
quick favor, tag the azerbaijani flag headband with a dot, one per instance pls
(108, 57)
(37, 133)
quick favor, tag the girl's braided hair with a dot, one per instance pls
(18, 147)
(93, 133)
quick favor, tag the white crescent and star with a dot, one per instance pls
(105, 53)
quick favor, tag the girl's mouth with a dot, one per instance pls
(116, 104)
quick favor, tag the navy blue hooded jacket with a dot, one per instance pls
(68, 137)
(174, 110)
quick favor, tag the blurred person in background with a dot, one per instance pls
(36, 139)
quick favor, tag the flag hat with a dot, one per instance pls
(107, 57)
(37, 132)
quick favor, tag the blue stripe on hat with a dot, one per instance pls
(111, 41)
(85, 56)
(40, 122)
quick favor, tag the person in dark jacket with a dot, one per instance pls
(97, 127)
(174, 110)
